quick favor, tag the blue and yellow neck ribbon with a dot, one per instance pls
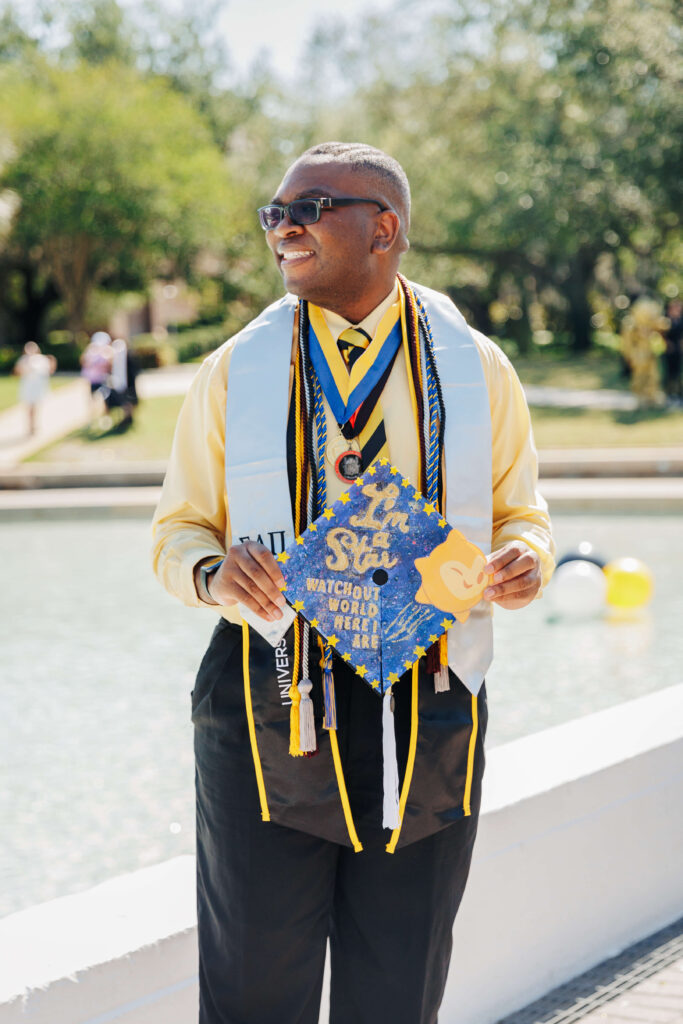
(346, 390)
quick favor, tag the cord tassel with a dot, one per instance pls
(294, 725)
(307, 740)
(390, 812)
(330, 719)
(294, 695)
(442, 681)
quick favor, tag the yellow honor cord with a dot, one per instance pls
(299, 432)
(346, 806)
(265, 813)
(470, 757)
(410, 764)
(411, 382)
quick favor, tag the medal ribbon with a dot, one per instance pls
(347, 388)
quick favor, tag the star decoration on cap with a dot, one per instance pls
(381, 575)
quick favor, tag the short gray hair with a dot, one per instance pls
(390, 175)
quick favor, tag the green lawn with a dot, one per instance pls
(9, 389)
(599, 428)
(596, 369)
(149, 438)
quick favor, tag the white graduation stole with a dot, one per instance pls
(256, 478)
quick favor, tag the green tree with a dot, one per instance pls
(543, 144)
(99, 32)
(115, 179)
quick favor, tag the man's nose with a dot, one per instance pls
(287, 227)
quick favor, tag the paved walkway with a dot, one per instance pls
(65, 409)
(70, 408)
(573, 398)
(642, 985)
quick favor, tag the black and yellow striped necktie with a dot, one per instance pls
(352, 343)
(367, 423)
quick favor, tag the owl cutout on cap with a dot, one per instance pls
(453, 577)
(381, 575)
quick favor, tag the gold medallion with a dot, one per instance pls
(337, 446)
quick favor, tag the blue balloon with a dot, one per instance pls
(584, 553)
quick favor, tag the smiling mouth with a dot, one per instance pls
(295, 255)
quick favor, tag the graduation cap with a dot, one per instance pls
(382, 577)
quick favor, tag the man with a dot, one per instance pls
(261, 447)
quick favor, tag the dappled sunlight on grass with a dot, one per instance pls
(149, 437)
(595, 428)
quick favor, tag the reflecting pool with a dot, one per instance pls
(98, 663)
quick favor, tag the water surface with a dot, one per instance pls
(98, 662)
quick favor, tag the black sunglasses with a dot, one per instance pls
(305, 211)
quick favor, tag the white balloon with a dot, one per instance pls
(578, 590)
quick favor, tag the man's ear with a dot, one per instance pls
(387, 232)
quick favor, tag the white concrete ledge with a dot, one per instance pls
(124, 950)
(654, 495)
(578, 856)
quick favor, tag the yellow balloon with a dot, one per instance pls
(629, 583)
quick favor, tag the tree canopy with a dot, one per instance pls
(542, 141)
(115, 177)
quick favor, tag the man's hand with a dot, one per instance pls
(251, 575)
(517, 575)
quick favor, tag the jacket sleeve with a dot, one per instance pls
(519, 510)
(191, 521)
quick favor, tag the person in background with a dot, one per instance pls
(34, 370)
(122, 391)
(673, 335)
(641, 345)
(96, 363)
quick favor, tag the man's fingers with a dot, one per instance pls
(519, 587)
(503, 557)
(524, 587)
(267, 562)
(260, 587)
(241, 587)
(260, 567)
(251, 575)
(517, 566)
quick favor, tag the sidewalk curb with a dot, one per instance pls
(554, 463)
(610, 496)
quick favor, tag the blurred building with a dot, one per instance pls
(169, 304)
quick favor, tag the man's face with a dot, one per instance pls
(329, 262)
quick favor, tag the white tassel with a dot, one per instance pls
(441, 680)
(307, 740)
(390, 814)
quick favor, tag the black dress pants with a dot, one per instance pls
(268, 897)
